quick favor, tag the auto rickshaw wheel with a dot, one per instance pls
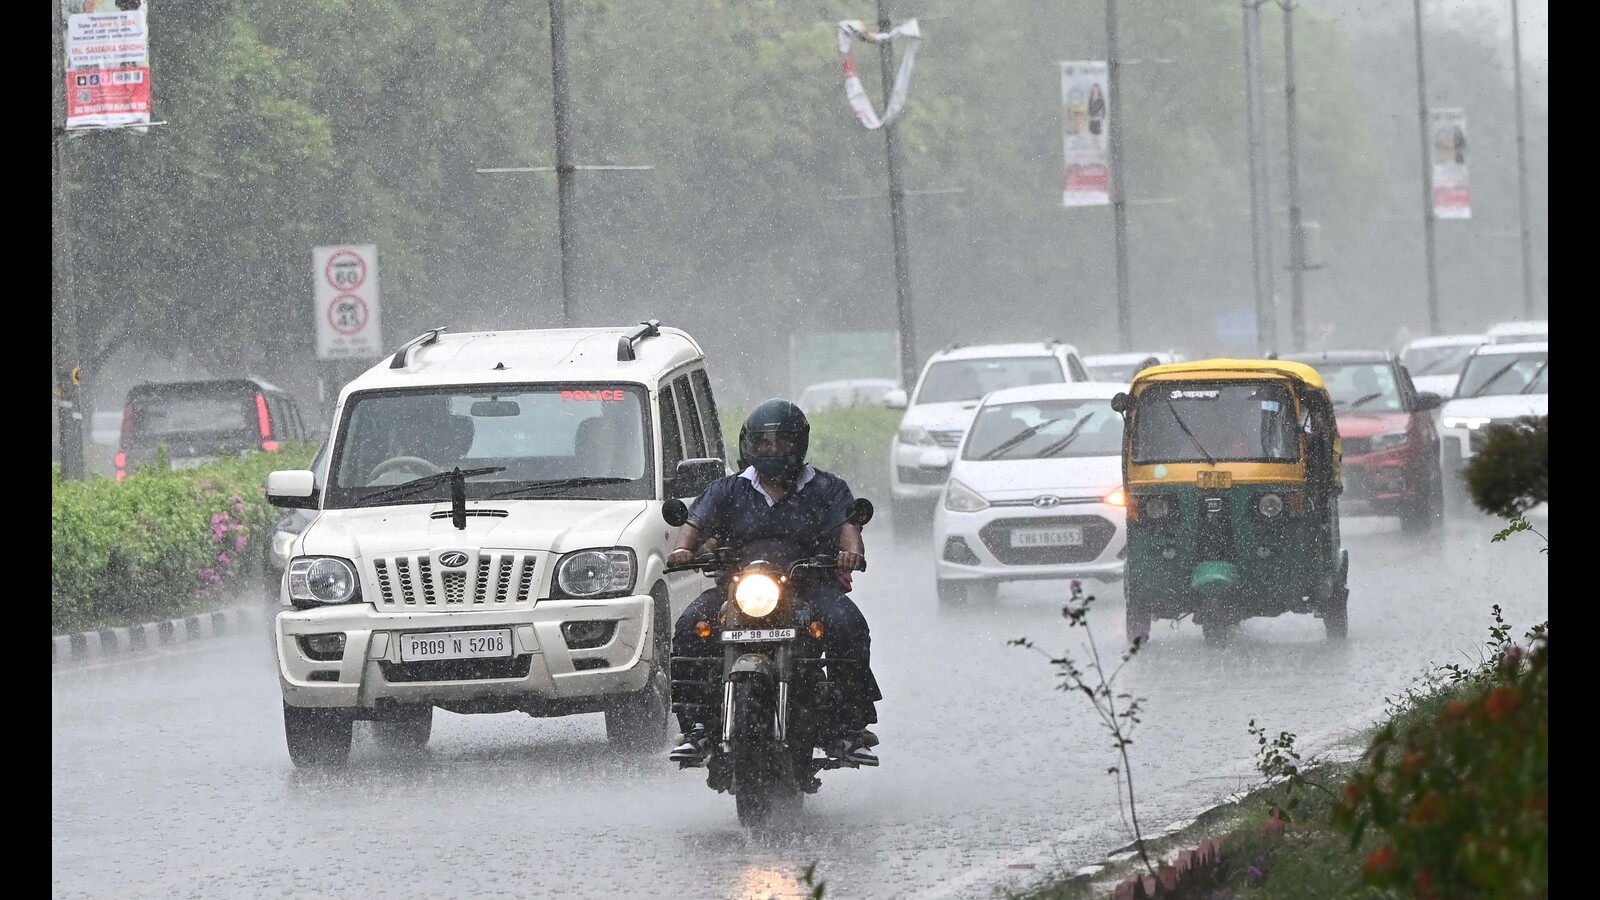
(1336, 615)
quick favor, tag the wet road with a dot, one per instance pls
(170, 777)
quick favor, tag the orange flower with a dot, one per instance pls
(1379, 861)
(1500, 703)
(1457, 709)
(1413, 762)
(1426, 809)
(1353, 793)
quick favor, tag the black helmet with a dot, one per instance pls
(785, 418)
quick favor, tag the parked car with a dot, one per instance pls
(489, 536)
(1121, 367)
(1519, 331)
(1435, 362)
(1390, 442)
(200, 421)
(947, 392)
(1034, 493)
(1500, 384)
(845, 392)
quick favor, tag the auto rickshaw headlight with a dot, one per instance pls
(1155, 507)
(1269, 505)
(757, 594)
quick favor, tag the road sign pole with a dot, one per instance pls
(897, 214)
(64, 299)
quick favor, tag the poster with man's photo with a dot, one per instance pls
(1452, 193)
(1085, 133)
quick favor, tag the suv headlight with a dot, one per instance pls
(596, 573)
(1464, 421)
(960, 498)
(322, 581)
(915, 435)
(1388, 440)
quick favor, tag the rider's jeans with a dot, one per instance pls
(845, 635)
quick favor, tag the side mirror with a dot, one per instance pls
(675, 512)
(1429, 400)
(895, 398)
(694, 476)
(293, 489)
(1121, 402)
(859, 512)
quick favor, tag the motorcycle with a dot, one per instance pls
(772, 689)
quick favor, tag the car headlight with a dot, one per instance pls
(960, 498)
(1388, 440)
(323, 580)
(591, 573)
(757, 594)
(915, 435)
(1464, 421)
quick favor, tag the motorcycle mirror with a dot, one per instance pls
(675, 512)
(859, 512)
(1121, 402)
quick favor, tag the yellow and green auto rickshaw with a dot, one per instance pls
(1231, 468)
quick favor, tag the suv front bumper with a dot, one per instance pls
(544, 675)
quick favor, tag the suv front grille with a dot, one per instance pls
(945, 437)
(500, 578)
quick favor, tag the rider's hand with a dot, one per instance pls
(851, 561)
(680, 557)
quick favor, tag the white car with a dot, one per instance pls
(948, 390)
(1500, 384)
(1435, 362)
(1036, 492)
(1519, 331)
(1121, 367)
(490, 539)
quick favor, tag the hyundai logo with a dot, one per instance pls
(1046, 501)
(452, 559)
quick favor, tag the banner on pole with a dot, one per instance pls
(107, 64)
(1452, 192)
(850, 31)
(1085, 126)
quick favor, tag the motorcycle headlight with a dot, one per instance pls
(592, 573)
(323, 580)
(1464, 421)
(1389, 440)
(960, 498)
(757, 594)
(915, 435)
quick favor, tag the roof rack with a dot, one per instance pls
(647, 328)
(403, 356)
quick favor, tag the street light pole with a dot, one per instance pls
(1522, 165)
(1119, 217)
(564, 170)
(1427, 175)
(1260, 203)
(64, 305)
(897, 214)
(1297, 234)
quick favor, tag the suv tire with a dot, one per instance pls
(317, 738)
(638, 722)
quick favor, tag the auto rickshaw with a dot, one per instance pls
(1231, 468)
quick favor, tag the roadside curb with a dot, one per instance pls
(1191, 870)
(111, 643)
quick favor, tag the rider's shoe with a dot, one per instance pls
(854, 748)
(694, 750)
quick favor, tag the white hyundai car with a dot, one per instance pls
(1500, 385)
(1035, 492)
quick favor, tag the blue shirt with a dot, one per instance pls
(735, 510)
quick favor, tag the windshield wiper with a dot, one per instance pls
(1065, 440)
(417, 486)
(1196, 441)
(1533, 380)
(536, 488)
(1493, 378)
(1359, 400)
(1017, 438)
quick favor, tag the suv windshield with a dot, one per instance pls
(557, 441)
(1218, 420)
(1496, 374)
(969, 379)
(1446, 360)
(1367, 387)
(1045, 429)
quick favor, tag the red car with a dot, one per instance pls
(1389, 436)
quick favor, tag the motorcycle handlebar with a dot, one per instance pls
(711, 561)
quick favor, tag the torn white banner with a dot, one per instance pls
(851, 30)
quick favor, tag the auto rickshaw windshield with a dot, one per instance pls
(1196, 421)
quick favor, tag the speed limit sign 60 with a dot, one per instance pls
(346, 297)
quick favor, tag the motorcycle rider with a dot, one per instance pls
(778, 494)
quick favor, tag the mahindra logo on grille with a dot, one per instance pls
(1046, 501)
(452, 559)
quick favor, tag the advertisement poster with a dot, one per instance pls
(1085, 134)
(107, 64)
(1452, 193)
